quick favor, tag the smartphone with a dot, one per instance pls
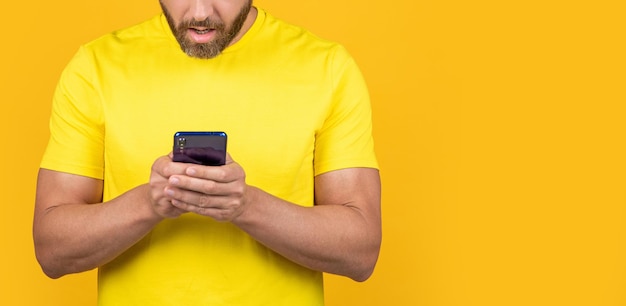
(202, 148)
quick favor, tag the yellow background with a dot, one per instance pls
(499, 127)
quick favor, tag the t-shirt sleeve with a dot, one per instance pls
(345, 139)
(76, 143)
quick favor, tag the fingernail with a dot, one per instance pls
(191, 171)
(174, 180)
(169, 192)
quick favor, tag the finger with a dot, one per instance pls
(193, 184)
(229, 159)
(215, 213)
(213, 173)
(166, 167)
(223, 174)
(162, 205)
(207, 194)
(208, 187)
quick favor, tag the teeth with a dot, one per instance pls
(201, 31)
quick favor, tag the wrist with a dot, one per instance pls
(148, 210)
(248, 202)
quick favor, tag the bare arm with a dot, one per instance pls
(341, 234)
(74, 231)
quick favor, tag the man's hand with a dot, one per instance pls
(341, 234)
(216, 192)
(162, 169)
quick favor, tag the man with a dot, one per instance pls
(297, 114)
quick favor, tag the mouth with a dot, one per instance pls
(201, 31)
(201, 35)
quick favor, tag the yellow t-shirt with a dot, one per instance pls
(293, 106)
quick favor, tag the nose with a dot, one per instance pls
(201, 9)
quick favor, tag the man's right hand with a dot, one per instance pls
(75, 231)
(160, 173)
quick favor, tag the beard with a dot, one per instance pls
(224, 34)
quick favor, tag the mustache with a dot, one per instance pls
(206, 23)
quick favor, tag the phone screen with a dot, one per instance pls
(203, 148)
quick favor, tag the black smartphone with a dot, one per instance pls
(202, 148)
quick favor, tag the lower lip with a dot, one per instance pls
(201, 38)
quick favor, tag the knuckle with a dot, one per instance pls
(164, 170)
(240, 190)
(208, 187)
(224, 215)
(221, 174)
(204, 200)
(233, 205)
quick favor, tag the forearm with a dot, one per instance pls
(336, 239)
(341, 234)
(72, 238)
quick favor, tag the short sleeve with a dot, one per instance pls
(345, 140)
(76, 121)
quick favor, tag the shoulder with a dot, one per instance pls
(296, 36)
(146, 32)
(294, 44)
